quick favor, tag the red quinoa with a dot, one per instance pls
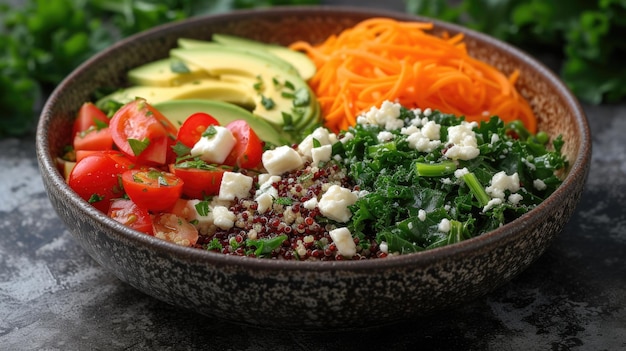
(307, 231)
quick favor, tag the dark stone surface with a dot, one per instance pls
(53, 296)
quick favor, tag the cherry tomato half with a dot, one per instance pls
(142, 132)
(200, 182)
(93, 139)
(88, 116)
(95, 178)
(248, 150)
(128, 213)
(170, 227)
(152, 189)
(191, 130)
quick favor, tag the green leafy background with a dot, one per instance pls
(41, 41)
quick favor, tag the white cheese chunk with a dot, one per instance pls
(492, 203)
(421, 214)
(515, 198)
(384, 247)
(459, 173)
(539, 184)
(310, 204)
(281, 160)
(384, 136)
(444, 225)
(344, 241)
(335, 201)
(386, 116)
(214, 148)
(500, 182)
(264, 202)
(425, 139)
(201, 222)
(321, 154)
(323, 137)
(462, 139)
(267, 187)
(223, 217)
(235, 185)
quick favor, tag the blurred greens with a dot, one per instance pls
(42, 41)
(588, 36)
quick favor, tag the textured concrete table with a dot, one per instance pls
(54, 297)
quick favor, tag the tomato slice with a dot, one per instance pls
(142, 132)
(152, 189)
(191, 130)
(118, 156)
(95, 178)
(200, 181)
(93, 139)
(88, 116)
(170, 227)
(248, 150)
(128, 213)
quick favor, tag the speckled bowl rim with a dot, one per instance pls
(578, 166)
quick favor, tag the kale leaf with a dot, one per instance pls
(415, 201)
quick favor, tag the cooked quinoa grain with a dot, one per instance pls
(291, 215)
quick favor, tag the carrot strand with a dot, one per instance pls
(383, 59)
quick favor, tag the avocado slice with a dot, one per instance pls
(214, 89)
(177, 112)
(278, 92)
(165, 73)
(303, 64)
(185, 43)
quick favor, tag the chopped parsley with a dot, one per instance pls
(203, 208)
(178, 66)
(267, 103)
(138, 146)
(95, 198)
(210, 132)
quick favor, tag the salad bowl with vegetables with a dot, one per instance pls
(312, 168)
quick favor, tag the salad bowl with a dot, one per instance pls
(294, 295)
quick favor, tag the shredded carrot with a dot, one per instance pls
(383, 59)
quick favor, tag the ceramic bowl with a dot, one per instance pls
(293, 295)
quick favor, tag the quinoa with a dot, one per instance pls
(306, 230)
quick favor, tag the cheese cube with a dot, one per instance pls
(281, 160)
(223, 217)
(321, 154)
(320, 134)
(335, 201)
(214, 148)
(344, 242)
(235, 185)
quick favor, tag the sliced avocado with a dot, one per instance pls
(305, 66)
(178, 111)
(214, 89)
(185, 43)
(165, 73)
(278, 92)
(238, 78)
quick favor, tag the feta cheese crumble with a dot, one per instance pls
(344, 242)
(235, 185)
(335, 201)
(500, 182)
(281, 160)
(386, 116)
(215, 146)
(462, 141)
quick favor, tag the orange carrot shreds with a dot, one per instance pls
(383, 59)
